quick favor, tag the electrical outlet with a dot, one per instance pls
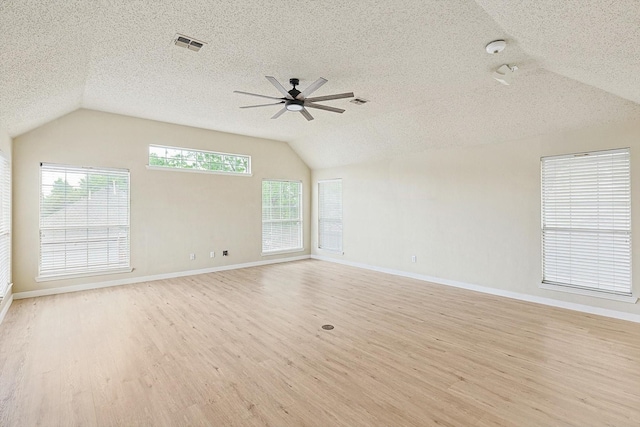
(413, 258)
(192, 257)
(225, 253)
(212, 254)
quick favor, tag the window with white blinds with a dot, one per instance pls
(84, 220)
(330, 215)
(281, 216)
(5, 224)
(586, 221)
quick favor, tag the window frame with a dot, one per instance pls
(193, 150)
(5, 221)
(339, 250)
(88, 272)
(300, 219)
(576, 287)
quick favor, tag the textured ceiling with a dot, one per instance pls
(421, 63)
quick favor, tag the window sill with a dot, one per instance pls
(331, 251)
(579, 291)
(284, 251)
(78, 275)
(162, 168)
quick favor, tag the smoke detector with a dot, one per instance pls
(496, 46)
(190, 43)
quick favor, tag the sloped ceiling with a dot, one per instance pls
(421, 64)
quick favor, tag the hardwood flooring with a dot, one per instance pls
(246, 348)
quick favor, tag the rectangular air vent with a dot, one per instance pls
(188, 42)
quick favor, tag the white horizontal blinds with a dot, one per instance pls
(5, 224)
(197, 160)
(330, 215)
(84, 220)
(281, 215)
(586, 221)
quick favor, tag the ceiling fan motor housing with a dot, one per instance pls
(294, 92)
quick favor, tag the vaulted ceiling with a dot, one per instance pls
(420, 63)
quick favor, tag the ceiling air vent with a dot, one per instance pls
(188, 42)
(359, 101)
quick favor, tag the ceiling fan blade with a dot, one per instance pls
(279, 113)
(306, 114)
(312, 88)
(323, 107)
(263, 105)
(330, 97)
(255, 94)
(279, 87)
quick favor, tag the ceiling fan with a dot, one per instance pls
(294, 100)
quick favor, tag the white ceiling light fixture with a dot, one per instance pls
(496, 46)
(294, 107)
(504, 74)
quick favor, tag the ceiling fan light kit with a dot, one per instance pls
(297, 101)
(292, 106)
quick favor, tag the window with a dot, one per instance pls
(5, 224)
(84, 220)
(586, 221)
(281, 216)
(330, 215)
(198, 161)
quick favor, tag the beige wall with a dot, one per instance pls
(173, 214)
(468, 214)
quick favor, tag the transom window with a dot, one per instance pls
(198, 161)
(84, 220)
(281, 216)
(586, 221)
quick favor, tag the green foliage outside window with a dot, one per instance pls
(176, 158)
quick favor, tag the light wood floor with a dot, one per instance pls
(246, 347)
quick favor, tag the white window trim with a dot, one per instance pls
(162, 168)
(587, 292)
(5, 287)
(331, 251)
(567, 288)
(91, 274)
(283, 251)
(96, 272)
(166, 168)
(288, 250)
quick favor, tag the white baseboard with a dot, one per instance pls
(493, 291)
(131, 280)
(5, 303)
